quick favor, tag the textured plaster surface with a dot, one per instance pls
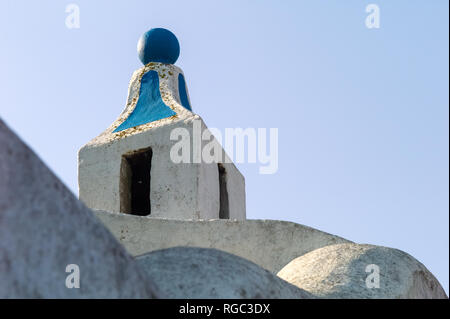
(270, 244)
(186, 272)
(178, 190)
(44, 228)
(339, 271)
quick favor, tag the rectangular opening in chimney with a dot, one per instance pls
(134, 185)
(224, 212)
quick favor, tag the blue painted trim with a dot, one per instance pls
(183, 93)
(150, 106)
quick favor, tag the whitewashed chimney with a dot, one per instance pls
(129, 167)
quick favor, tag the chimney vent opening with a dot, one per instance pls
(224, 212)
(135, 183)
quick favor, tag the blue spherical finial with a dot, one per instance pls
(158, 45)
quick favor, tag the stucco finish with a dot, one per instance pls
(177, 190)
(193, 273)
(339, 271)
(44, 228)
(168, 85)
(270, 244)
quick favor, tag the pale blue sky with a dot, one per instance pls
(362, 113)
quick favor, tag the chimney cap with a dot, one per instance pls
(158, 45)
